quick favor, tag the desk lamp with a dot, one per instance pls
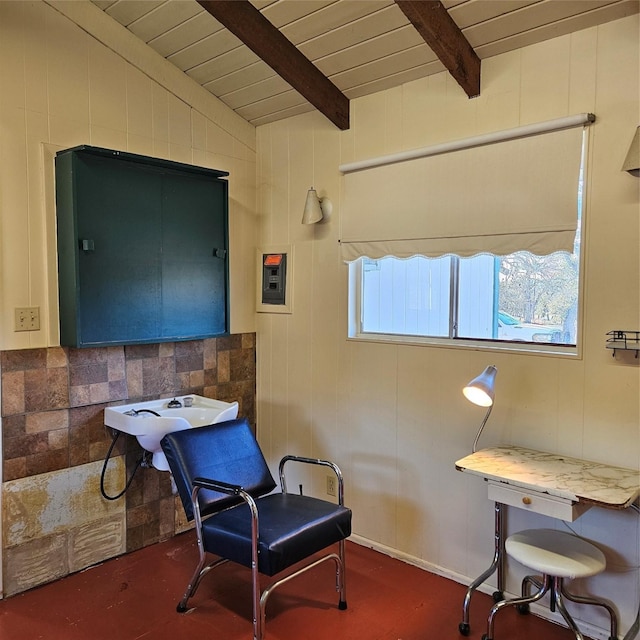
(480, 391)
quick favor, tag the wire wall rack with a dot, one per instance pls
(623, 341)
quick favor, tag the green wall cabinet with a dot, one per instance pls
(142, 249)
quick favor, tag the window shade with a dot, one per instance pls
(515, 195)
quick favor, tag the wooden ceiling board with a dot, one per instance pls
(448, 4)
(384, 21)
(128, 11)
(238, 79)
(284, 12)
(233, 62)
(370, 50)
(272, 104)
(559, 28)
(248, 95)
(162, 19)
(332, 17)
(280, 115)
(523, 20)
(472, 12)
(104, 4)
(185, 34)
(395, 80)
(387, 66)
(206, 49)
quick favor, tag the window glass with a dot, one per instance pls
(520, 298)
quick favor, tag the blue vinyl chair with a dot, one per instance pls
(225, 486)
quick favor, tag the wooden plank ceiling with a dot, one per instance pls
(271, 59)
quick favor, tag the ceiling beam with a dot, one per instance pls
(442, 34)
(256, 32)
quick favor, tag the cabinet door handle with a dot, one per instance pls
(526, 500)
(87, 245)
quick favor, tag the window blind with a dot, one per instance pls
(515, 195)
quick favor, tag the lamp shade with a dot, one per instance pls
(312, 211)
(632, 161)
(481, 390)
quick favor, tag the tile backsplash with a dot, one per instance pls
(52, 423)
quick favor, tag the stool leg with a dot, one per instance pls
(557, 597)
(517, 602)
(599, 603)
(528, 581)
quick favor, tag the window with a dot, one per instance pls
(480, 243)
(520, 298)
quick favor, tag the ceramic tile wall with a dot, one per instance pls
(55, 442)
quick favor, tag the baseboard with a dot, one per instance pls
(539, 610)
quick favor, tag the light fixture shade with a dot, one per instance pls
(481, 390)
(312, 211)
(632, 161)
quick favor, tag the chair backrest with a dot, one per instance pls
(227, 452)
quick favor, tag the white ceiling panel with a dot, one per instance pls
(205, 50)
(163, 18)
(185, 34)
(128, 11)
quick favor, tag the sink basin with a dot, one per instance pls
(138, 419)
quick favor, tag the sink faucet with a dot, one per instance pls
(136, 412)
(174, 404)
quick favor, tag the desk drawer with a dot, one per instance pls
(543, 503)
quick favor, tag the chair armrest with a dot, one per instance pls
(231, 489)
(317, 461)
(217, 485)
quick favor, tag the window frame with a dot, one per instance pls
(355, 332)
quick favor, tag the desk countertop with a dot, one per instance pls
(562, 476)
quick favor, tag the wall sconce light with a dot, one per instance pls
(481, 391)
(315, 208)
(632, 161)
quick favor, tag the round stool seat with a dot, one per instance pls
(555, 553)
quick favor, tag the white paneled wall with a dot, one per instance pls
(393, 416)
(61, 87)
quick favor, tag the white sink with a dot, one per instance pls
(138, 419)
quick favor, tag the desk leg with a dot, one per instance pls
(496, 564)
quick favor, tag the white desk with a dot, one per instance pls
(556, 486)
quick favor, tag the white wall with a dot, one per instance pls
(61, 87)
(393, 416)
(70, 75)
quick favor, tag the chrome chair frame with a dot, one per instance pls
(259, 600)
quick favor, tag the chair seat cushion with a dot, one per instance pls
(291, 527)
(555, 553)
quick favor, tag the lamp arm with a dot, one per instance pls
(484, 421)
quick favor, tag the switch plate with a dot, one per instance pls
(27, 319)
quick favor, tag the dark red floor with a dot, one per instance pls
(135, 597)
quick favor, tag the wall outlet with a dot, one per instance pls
(27, 319)
(331, 485)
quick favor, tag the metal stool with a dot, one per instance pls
(556, 555)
